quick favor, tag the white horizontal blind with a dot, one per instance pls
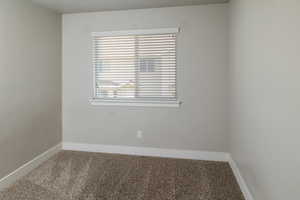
(139, 67)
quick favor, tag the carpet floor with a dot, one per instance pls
(95, 176)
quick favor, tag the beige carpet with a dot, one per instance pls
(94, 176)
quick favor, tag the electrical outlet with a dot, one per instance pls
(139, 134)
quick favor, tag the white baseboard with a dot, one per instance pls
(146, 151)
(241, 181)
(27, 167)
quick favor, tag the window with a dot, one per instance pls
(148, 64)
(135, 67)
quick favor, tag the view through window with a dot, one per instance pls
(135, 67)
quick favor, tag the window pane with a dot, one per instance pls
(135, 67)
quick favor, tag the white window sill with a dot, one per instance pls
(101, 102)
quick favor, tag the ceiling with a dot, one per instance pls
(73, 6)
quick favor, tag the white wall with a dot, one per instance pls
(199, 124)
(30, 82)
(265, 69)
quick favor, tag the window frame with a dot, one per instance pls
(133, 102)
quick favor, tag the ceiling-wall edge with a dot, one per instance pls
(61, 8)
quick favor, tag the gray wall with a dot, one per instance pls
(265, 68)
(30, 82)
(199, 124)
